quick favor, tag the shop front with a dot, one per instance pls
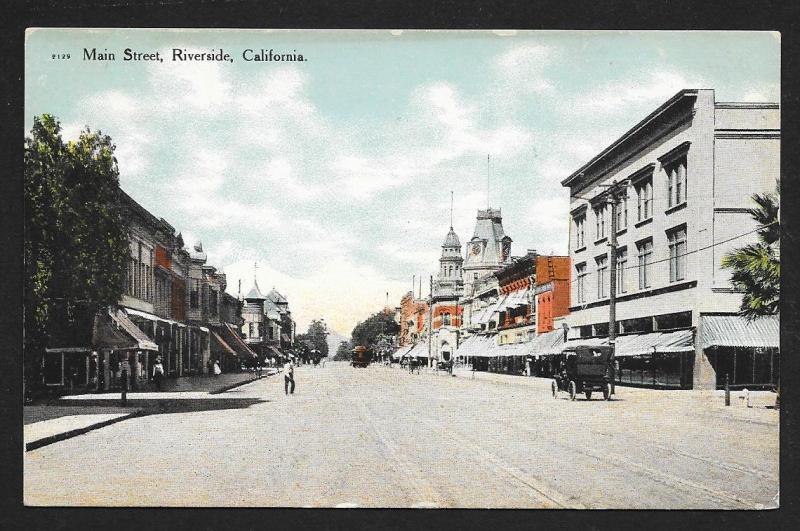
(745, 352)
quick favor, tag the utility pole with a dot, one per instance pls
(615, 191)
(430, 321)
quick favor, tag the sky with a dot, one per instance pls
(334, 174)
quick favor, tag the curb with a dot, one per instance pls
(235, 385)
(33, 445)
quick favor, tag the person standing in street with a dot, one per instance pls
(288, 377)
(217, 370)
(158, 373)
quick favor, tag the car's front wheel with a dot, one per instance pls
(573, 390)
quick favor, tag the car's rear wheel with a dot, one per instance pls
(573, 390)
(554, 388)
(607, 392)
(588, 395)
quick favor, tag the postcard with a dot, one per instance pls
(401, 268)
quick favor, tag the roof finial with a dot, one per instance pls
(451, 210)
(255, 270)
(488, 173)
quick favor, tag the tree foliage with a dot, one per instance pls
(369, 331)
(756, 268)
(343, 352)
(76, 236)
(315, 338)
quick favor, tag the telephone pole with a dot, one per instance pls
(430, 321)
(616, 191)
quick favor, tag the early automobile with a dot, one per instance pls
(584, 369)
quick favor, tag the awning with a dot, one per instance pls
(105, 335)
(546, 344)
(141, 341)
(486, 347)
(661, 342)
(736, 331)
(219, 347)
(512, 349)
(399, 353)
(275, 351)
(485, 315)
(420, 350)
(231, 336)
(641, 344)
(514, 299)
(286, 338)
(148, 316)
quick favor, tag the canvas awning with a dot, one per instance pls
(485, 315)
(420, 350)
(736, 331)
(486, 348)
(661, 342)
(399, 353)
(642, 344)
(514, 299)
(141, 341)
(105, 335)
(546, 344)
(219, 347)
(231, 336)
(512, 349)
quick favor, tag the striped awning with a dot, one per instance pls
(660, 342)
(737, 331)
(546, 344)
(231, 336)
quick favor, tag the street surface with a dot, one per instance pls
(381, 437)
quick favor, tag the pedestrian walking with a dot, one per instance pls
(288, 377)
(217, 370)
(158, 373)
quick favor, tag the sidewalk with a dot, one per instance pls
(693, 401)
(72, 415)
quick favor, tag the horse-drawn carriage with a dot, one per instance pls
(585, 369)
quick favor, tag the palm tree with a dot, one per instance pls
(757, 267)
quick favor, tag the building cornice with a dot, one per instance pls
(634, 131)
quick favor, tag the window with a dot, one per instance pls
(602, 276)
(580, 273)
(213, 303)
(644, 192)
(600, 222)
(677, 254)
(475, 276)
(645, 258)
(622, 263)
(194, 295)
(676, 181)
(252, 330)
(446, 319)
(580, 231)
(622, 213)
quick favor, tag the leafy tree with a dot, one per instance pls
(379, 325)
(314, 339)
(343, 352)
(76, 237)
(756, 267)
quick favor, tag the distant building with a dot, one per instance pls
(447, 288)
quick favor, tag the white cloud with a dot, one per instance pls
(626, 96)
